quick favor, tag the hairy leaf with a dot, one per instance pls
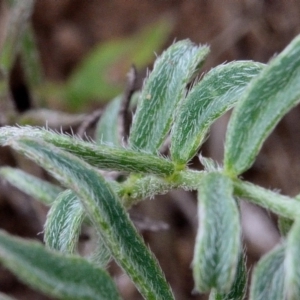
(239, 287)
(268, 277)
(215, 94)
(63, 224)
(35, 187)
(162, 91)
(63, 277)
(105, 211)
(101, 156)
(218, 240)
(265, 101)
(63, 227)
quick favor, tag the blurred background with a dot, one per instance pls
(75, 57)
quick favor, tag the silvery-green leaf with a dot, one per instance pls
(239, 287)
(60, 276)
(35, 187)
(268, 276)
(163, 89)
(216, 93)
(63, 228)
(218, 241)
(63, 224)
(104, 209)
(101, 156)
(265, 101)
(292, 261)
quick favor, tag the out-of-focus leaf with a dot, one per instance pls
(30, 59)
(63, 277)
(106, 212)
(265, 101)
(17, 23)
(19, 17)
(95, 77)
(268, 277)
(107, 127)
(163, 89)
(35, 187)
(102, 156)
(216, 93)
(218, 241)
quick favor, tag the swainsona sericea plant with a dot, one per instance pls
(260, 96)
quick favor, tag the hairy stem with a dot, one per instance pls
(136, 189)
(279, 204)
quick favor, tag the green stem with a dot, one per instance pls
(134, 190)
(279, 204)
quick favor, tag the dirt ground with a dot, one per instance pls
(236, 30)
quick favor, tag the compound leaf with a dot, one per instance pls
(104, 209)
